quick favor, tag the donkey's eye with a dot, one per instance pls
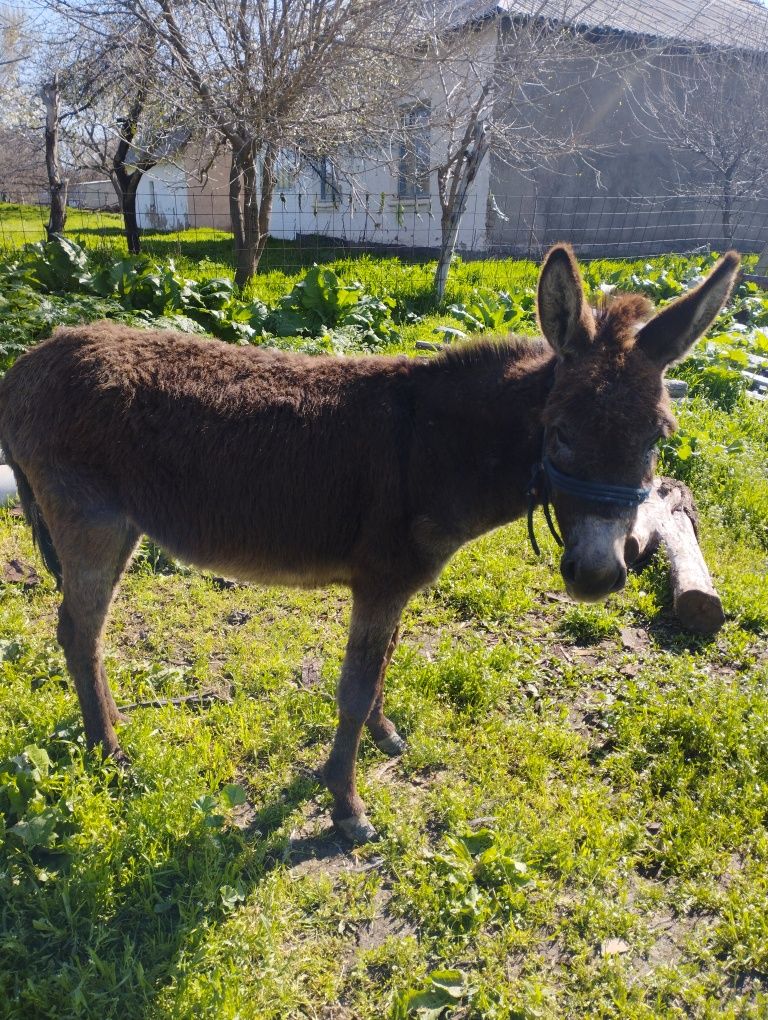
(651, 454)
(561, 437)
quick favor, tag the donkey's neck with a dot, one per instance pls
(479, 424)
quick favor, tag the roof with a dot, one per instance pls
(740, 24)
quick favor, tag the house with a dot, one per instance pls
(633, 195)
(637, 193)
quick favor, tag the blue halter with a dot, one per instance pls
(546, 477)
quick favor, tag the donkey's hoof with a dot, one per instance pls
(393, 745)
(356, 829)
(120, 758)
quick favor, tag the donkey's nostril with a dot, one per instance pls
(568, 569)
(621, 578)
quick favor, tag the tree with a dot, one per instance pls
(497, 82)
(709, 105)
(112, 118)
(278, 76)
(22, 154)
(58, 184)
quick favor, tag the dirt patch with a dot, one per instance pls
(16, 572)
(671, 932)
(315, 846)
(311, 673)
(383, 925)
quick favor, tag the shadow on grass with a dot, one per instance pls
(279, 254)
(115, 231)
(105, 936)
(668, 633)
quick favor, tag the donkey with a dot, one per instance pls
(369, 472)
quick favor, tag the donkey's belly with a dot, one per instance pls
(263, 568)
(287, 544)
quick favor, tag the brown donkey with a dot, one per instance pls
(369, 472)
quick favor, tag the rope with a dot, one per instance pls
(545, 477)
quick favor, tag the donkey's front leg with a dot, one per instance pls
(370, 636)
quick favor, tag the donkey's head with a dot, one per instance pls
(608, 409)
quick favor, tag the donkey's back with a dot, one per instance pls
(265, 464)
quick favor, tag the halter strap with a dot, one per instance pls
(594, 492)
(545, 477)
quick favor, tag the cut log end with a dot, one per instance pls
(700, 611)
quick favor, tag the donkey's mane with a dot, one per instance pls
(619, 315)
(494, 355)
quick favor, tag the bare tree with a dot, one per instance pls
(22, 154)
(57, 183)
(274, 77)
(710, 107)
(497, 82)
(112, 118)
(278, 76)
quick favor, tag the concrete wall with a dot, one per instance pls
(631, 194)
(208, 203)
(161, 199)
(93, 195)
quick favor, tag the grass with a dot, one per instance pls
(578, 828)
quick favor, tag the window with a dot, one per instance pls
(285, 170)
(329, 183)
(413, 166)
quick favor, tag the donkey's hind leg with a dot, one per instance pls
(383, 731)
(92, 559)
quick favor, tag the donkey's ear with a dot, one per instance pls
(671, 334)
(565, 318)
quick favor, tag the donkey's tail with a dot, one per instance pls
(35, 519)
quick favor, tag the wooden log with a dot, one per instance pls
(670, 517)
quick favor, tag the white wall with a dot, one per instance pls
(370, 211)
(161, 199)
(92, 195)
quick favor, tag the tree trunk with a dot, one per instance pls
(130, 217)
(236, 207)
(251, 223)
(127, 181)
(453, 200)
(727, 210)
(450, 231)
(57, 184)
(127, 187)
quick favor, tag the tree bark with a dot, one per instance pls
(130, 216)
(453, 199)
(57, 184)
(236, 206)
(670, 518)
(250, 223)
(727, 210)
(127, 180)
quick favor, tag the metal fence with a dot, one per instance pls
(306, 227)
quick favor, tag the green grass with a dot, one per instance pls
(577, 830)
(578, 826)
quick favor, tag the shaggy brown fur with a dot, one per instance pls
(291, 469)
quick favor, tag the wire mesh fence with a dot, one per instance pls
(307, 228)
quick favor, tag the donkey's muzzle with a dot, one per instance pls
(589, 583)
